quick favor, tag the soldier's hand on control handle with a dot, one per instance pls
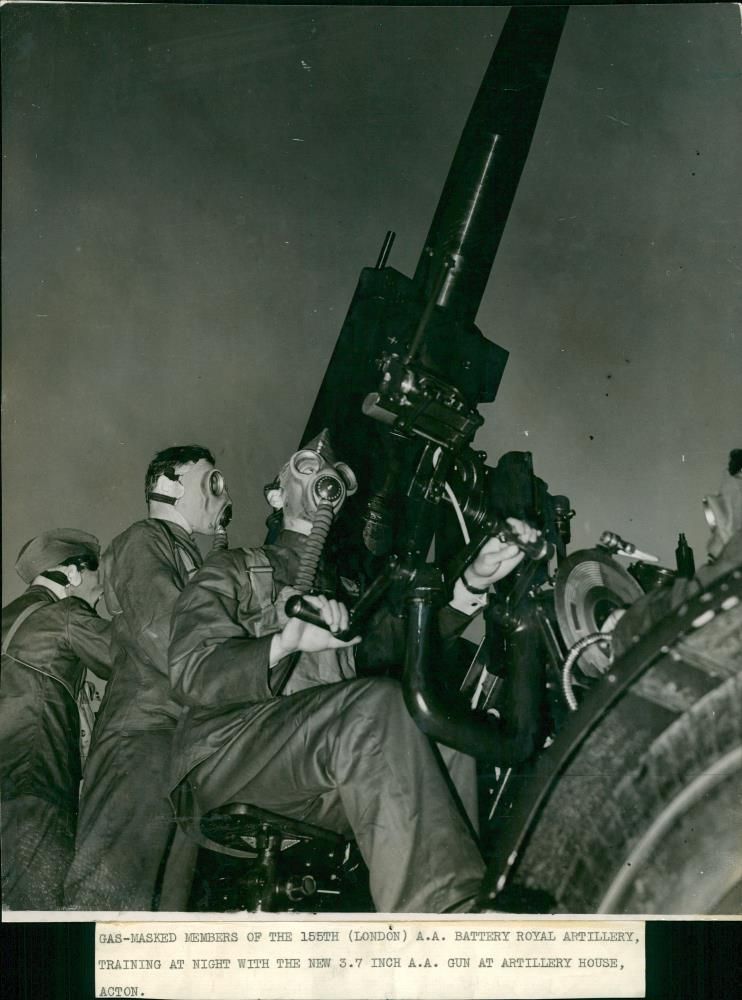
(497, 558)
(298, 636)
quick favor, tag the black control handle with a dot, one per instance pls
(297, 607)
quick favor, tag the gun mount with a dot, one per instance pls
(632, 794)
(410, 368)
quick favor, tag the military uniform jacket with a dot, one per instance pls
(43, 669)
(145, 568)
(220, 646)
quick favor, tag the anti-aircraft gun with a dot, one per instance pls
(584, 825)
(400, 399)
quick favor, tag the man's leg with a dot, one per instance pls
(37, 843)
(348, 755)
(125, 823)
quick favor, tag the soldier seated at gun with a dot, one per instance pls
(276, 716)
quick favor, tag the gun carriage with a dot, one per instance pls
(400, 399)
(586, 765)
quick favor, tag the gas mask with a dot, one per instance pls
(723, 512)
(310, 490)
(310, 480)
(198, 493)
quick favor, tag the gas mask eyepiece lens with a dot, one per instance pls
(328, 489)
(217, 484)
(307, 462)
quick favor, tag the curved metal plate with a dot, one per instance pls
(589, 584)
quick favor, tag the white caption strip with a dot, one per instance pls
(370, 960)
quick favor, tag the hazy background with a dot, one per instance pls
(190, 193)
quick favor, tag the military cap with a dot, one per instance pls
(52, 548)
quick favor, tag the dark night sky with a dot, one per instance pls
(190, 193)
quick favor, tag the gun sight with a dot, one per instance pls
(417, 403)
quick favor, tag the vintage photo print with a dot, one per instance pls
(372, 460)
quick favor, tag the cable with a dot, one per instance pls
(572, 657)
(459, 514)
(454, 502)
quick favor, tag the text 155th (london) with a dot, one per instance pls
(369, 959)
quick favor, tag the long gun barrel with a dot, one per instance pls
(432, 315)
(481, 184)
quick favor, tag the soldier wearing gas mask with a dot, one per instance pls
(277, 718)
(125, 821)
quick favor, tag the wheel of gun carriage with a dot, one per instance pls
(647, 817)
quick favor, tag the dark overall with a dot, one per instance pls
(48, 644)
(340, 753)
(126, 821)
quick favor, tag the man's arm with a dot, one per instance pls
(146, 582)
(383, 646)
(214, 661)
(89, 637)
(300, 637)
(494, 561)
